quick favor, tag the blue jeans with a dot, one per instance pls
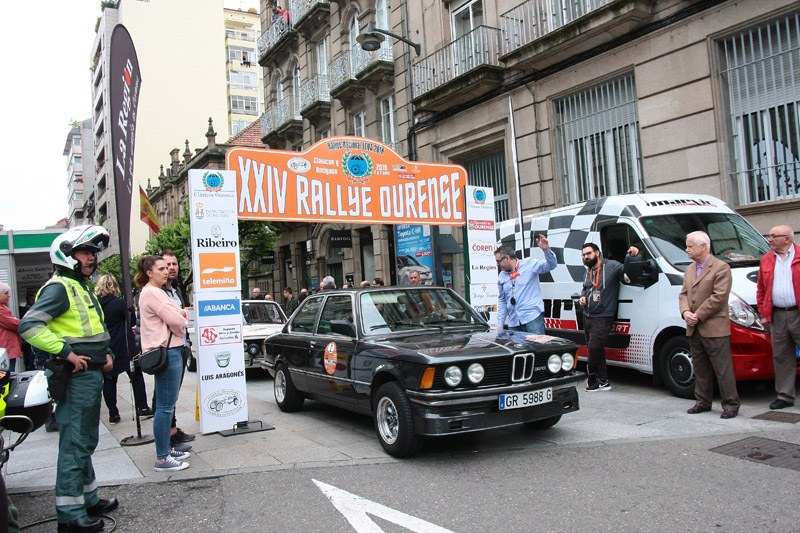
(168, 384)
(535, 326)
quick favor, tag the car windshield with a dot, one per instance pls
(732, 239)
(411, 309)
(262, 312)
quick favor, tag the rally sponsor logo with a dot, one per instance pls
(213, 181)
(330, 358)
(300, 165)
(218, 335)
(218, 270)
(479, 195)
(219, 307)
(199, 210)
(481, 225)
(357, 168)
(223, 403)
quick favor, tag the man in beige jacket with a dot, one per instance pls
(704, 306)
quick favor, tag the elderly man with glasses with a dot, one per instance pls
(519, 294)
(777, 295)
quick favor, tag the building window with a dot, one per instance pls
(389, 121)
(324, 134)
(360, 124)
(247, 81)
(77, 159)
(76, 141)
(241, 54)
(597, 136)
(245, 105)
(296, 89)
(238, 125)
(760, 81)
(490, 171)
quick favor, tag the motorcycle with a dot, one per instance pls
(25, 405)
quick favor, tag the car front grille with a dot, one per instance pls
(500, 371)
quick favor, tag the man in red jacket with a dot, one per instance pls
(777, 295)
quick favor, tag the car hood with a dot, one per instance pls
(260, 331)
(427, 348)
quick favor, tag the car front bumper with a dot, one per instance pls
(447, 413)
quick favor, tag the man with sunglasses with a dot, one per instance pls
(777, 295)
(519, 294)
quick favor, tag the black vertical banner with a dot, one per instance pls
(125, 84)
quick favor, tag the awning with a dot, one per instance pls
(448, 245)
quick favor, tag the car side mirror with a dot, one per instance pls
(343, 327)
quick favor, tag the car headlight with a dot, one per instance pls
(742, 314)
(554, 363)
(452, 376)
(567, 362)
(475, 373)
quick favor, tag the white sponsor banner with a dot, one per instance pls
(220, 360)
(217, 304)
(481, 238)
(215, 230)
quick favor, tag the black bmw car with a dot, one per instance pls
(421, 362)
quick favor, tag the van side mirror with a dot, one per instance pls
(343, 327)
(643, 273)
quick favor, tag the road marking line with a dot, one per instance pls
(355, 510)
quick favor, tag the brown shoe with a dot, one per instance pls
(697, 408)
(728, 413)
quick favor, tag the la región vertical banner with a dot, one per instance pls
(125, 85)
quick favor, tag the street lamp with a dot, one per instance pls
(371, 39)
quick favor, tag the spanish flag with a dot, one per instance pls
(147, 214)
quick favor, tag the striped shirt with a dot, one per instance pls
(782, 288)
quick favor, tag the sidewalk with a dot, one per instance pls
(323, 436)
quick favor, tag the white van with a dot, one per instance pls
(649, 334)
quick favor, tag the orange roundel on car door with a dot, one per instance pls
(330, 358)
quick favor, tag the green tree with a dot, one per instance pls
(111, 265)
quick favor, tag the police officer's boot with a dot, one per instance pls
(84, 524)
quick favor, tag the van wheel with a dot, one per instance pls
(676, 367)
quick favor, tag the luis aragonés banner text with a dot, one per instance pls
(218, 328)
(348, 180)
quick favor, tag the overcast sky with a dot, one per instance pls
(46, 85)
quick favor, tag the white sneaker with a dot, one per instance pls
(179, 456)
(170, 465)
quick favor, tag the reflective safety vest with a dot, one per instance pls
(83, 322)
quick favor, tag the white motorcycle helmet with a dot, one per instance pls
(90, 238)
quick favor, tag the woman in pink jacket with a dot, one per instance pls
(9, 337)
(163, 324)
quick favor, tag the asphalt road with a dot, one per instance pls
(512, 481)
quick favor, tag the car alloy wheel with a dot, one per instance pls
(394, 421)
(387, 420)
(287, 396)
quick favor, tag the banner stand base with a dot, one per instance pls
(240, 428)
(137, 441)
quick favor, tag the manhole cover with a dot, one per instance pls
(766, 451)
(775, 416)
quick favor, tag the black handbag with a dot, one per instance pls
(156, 360)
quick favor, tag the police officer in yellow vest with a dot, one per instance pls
(67, 322)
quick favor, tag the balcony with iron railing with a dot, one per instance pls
(540, 33)
(372, 67)
(315, 100)
(342, 81)
(279, 37)
(281, 121)
(309, 16)
(459, 72)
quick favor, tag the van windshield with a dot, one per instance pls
(732, 239)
